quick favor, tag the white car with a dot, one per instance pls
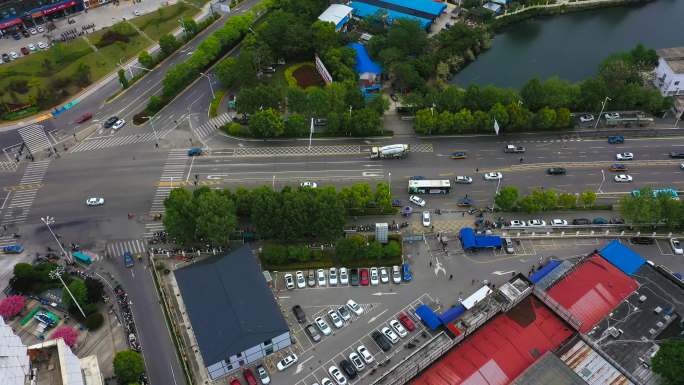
(136, 12)
(32, 47)
(676, 246)
(517, 223)
(13, 55)
(587, 118)
(40, 29)
(325, 381)
(493, 176)
(344, 276)
(344, 313)
(263, 375)
(309, 184)
(426, 219)
(374, 278)
(398, 328)
(118, 124)
(623, 178)
(396, 274)
(356, 361)
(365, 354)
(354, 307)
(323, 326)
(625, 156)
(42, 45)
(94, 201)
(337, 375)
(289, 282)
(463, 179)
(681, 165)
(335, 318)
(301, 281)
(611, 115)
(33, 31)
(389, 333)
(384, 275)
(416, 200)
(286, 362)
(321, 277)
(536, 223)
(559, 222)
(332, 276)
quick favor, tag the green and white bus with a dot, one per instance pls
(425, 186)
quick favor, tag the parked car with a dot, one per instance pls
(13, 55)
(363, 277)
(676, 246)
(642, 240)
(586, 118)
(600, 221)
(406, 272)
(356, 360)
(556, 171)
(249, 377)
(559, 222)
(286, 362)
(581, 221)
(323, 326)
(235, 381)
(426, 219)
(25, 51)
(344, 313)
(311, 282)
(32, 31)
(625, 156)
(398, 328)
(312, 332)
(332, 276)
(42, 45)
(381, 340)
(617, 221)
(325, 381)
(384, 275)
(396, 274)
(301, 282)
(509, 246)
(374, 277)
(337, 375)
(335, 318)
(354, 307)
(390, 334)
(417, 177)
(354, 277)
(299, 314)
(365, 354)
(118, 124)
(321, 277)
(32, 47)
(416, 200)
(263, 375)
(344, 276)
(611, 115)
(536, 223)
(349, 369)
(289, 281)
(462, 179)
(407, 322)
(493, 176)
(516, 223)
(6, 58)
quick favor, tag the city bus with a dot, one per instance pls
(429, 186)
(666, 191)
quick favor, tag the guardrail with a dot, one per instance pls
(588, 234)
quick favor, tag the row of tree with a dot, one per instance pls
(211, 216)
(509, 199)
(646, 210)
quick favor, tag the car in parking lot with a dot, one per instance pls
(459, 155)
(325, 381)
(556, 171)
(416, 200)
(624, 156)
(235, 381)
(337, 375)
(344, 276)
(426, 219)
(599, 221)
(509, 246)
(462, 179)
(13, 55)
(299, 313)
(642, 240)
(617, 221)
(396, 274)
(617, 167)
(323, 326)
(354, 277)
(623, 178)
(559, 222)
(398, 328)
(42, 45)
(581, 221)
(406, 321)
(374, 277)
(320, 273)
(516, 223)
(363, 277)
(384, 275)
(349, 369)
(289, 281)
(354, 307)
(32, 31)
(344, 313)
(335, 318)
(586, 118)
(301, 282)
(312, 279)
(536, 223)
(381, 340)
(6, 58)
(332, 276)
(365, 354)
(286, 362)
(493, 176)
(406, 272)
(32, 47)
(312, 332)
(356, 360)
(676, 246)
(263, 375)
(390, 334)
(25, 51)
(611, 115)
(249, 377)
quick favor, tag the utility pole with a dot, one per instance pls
(603, 105)
(57, 274)
(48, 221)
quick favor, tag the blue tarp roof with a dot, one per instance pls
(365, 10)
(452, 314)
(364, 63)
(471, 241)
(428, 316)
(622, 257)
(541, 273)
(427, 6)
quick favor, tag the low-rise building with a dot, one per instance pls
(669, 74)
(338, 14)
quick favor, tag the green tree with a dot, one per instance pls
(168, 44)
(95, 289)
(382, 196)
(407, 77)
(180, 217)
(80, 293)
(122, 79)
(324, 36)
(216, 220)
(375, 251)
(588, 198)
(529, 204)
(190, 26)
(669, 361)
(379, 104)
(146, 60)
(253, 99)
(520, 118)
(296, 125)
(350, 248)
(533, 95)
(567, 200)
(507, 198)
(393, 249)
(545, 118)
(330, 214)
(128, 366)
(463, 121)
(641, 210)
(425, 122)
(286, 34)
(265, 212)
(499, 112)
(365, 122)
(563, 118)
(266, 124)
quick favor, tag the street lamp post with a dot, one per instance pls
(390, 184)
(603, 105)
(57, 274)
(48, 221)
(156, 139)
(211, 87)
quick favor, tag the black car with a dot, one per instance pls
(581, 221)
(555, 171)
(313, 333)
(617, 221)
(348, 369)
(5, 58)
(381, 340)
(678, 155)
(354, 277)
(299, 314)
(16, 36)
(25, 33)
(642, 240)
(110, 122)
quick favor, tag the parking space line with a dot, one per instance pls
(661, 249)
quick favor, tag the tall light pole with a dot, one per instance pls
(48, 221)
(390, 184)
(211, 87)
(156, 139)
(57, 274)
(603, 105)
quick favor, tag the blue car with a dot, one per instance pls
(617, 139)
(406, 272)
(195, 151)
(128, 259)
(13, 249)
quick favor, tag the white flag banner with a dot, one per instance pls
(496, 127)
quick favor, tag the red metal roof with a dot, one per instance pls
(502, 349)
(591, 291)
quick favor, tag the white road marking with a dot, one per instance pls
(301, 365)
(372, 319)
(503, 272)
(382, 293)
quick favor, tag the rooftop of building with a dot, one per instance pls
(674, 57)
(230, 305)
(548, 370)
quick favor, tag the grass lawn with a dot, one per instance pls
(164, 20)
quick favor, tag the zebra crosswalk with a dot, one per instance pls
(35, 138)
(115, 141)
(8, 166)
(174, 170)
(117, 249)
(212, 125)
(151, 228)
(21, 200)
(7, 240)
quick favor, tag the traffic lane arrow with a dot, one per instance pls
(383, 293)
(503, 272)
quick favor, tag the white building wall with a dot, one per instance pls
(249, 356)
(667, 81)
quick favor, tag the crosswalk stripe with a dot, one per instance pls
(35, 138)
(118, 248)
(116, 141)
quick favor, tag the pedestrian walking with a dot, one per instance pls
(451, 276)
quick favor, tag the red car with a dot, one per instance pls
(249, 377)
(364, 277)
(406, 321)
(235, 381)
(85, 117)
